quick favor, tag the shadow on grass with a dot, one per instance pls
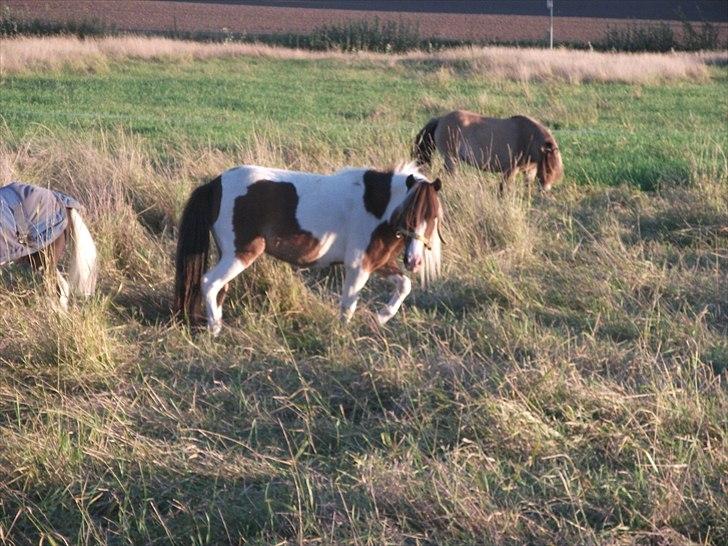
(150, 306)
(150, 503)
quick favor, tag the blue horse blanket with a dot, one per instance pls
(31, 218)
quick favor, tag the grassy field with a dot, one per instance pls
(565, 381)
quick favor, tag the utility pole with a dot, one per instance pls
(550, 6)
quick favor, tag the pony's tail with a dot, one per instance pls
(83, 269)
(424, 144)
(193, 249)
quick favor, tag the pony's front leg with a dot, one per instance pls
(354, 280)
(402, 288)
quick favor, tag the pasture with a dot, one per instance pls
(564, 382)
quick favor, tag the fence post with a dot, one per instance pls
(550, 6)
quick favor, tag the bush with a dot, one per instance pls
(705, 38)
(13, 26)
(646, 38)
(360, 35)
(661, 38)
(367, 35)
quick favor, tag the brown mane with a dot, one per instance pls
(421, 205)
(550, 167)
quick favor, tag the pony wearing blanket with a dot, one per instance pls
(362, 218)
(35, 224)
(518, 144)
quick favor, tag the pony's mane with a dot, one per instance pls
(551, 164)
(349, 169)
(405, 168)
(408, 168)
(423, 204)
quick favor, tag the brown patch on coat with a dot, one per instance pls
(377, 192)
(383, 247)
(390, 268)
(264, 219)
(250, 252)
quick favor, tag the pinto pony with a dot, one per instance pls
(508, 146)
(35, 225)
(361, 218)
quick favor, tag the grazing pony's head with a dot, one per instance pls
(418, 221)
(550, 168)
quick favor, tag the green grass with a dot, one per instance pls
(564, 382)
(610, 133)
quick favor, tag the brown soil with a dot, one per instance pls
(140, 15)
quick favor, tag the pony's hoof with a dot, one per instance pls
(215, 328)
(383, 317)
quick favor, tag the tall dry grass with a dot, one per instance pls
(24, 54)
(563, 383)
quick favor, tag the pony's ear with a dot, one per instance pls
(437, 184)
(410, 181)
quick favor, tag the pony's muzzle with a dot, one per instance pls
(412, 263)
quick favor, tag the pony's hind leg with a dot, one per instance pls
(45, 261)
(215, 281)
(64, 290)
(402, 288)
(52, 255)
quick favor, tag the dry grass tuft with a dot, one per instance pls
(24, 54)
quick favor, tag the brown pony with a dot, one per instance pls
(508, 146)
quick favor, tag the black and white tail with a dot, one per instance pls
(193, 248)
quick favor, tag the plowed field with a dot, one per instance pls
(137, 15)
